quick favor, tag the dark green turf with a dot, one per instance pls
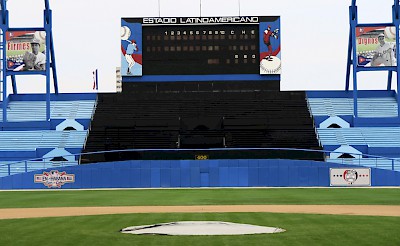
(60, 198)
(301, 230)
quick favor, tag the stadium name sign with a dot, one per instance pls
(54, 178)
(200, 20)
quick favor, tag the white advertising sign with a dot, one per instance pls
(350, 176)
(54, 178)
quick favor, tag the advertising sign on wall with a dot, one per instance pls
(54, 178)
(350, 176)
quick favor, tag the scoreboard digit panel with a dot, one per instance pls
(201, 45)
(203, 49)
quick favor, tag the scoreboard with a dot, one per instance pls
(200, 46)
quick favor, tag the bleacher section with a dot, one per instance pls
(77, 109)
(27, 136)
(376, 131)
(367, 107)
(32, 107)
(201, 119)
(370, 136)
(30, 140)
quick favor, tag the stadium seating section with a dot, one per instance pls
(193, 119)
(142, 117)
(376, 132)
(28, 136)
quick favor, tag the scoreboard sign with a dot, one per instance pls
(200, 45)
(199, 20)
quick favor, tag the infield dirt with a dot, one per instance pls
(369, 210)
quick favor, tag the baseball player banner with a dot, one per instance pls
(131, 48)
(25, 51)
(350, 176)
(376, 46)
(270, 47)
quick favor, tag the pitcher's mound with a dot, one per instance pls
(200, 228)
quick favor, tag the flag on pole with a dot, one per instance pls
(95, 80)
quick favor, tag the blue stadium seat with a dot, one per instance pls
(28, 140)
(367, 107)
(19, 111)
(373, 136)
(370, 136)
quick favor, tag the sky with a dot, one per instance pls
(314, 37)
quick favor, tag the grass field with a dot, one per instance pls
(151, 197)
(302, 229)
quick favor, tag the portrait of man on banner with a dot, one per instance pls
(26, 51)
(376, 46)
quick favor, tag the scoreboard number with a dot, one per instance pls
(201, 157)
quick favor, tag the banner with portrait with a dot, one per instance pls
(376, 46)
(26, 51)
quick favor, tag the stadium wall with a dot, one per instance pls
(192, 173)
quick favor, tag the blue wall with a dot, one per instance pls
(191, 173)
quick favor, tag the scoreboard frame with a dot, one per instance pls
(200, 48)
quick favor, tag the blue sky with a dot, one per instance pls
(314, 37)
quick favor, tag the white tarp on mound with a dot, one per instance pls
(200, 228)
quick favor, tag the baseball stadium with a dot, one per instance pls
(199, 144)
